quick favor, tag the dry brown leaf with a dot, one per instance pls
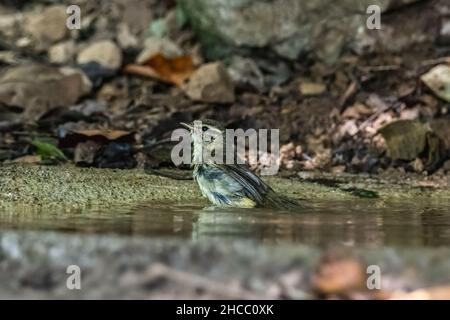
(357, 111)
(108, 134)
(312, 88)
(405, 89)
(29, 159)
(173, 70)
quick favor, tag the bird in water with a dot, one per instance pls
(229, 185)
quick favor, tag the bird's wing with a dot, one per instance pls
(252, 186)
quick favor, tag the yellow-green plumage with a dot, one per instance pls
(234, 185)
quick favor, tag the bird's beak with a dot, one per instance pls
(187, 125)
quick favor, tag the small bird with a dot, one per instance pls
(229, 185)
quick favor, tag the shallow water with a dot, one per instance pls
(359, 222)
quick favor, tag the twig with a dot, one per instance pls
(351, 90)
(430, 62)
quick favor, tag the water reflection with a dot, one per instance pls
(362, 222)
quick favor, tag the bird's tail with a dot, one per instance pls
(276, 201)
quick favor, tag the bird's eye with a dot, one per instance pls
(204, 128)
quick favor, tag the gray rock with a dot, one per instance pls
(9, 23)
(244, 71)
(62, 52)
(125, 38)
(49, 25)
(211, 83)
(286, 27)
(105, 53)
(438, 80)
(154, 45)
(405, 139)
(39, 89)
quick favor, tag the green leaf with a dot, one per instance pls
(48, 151)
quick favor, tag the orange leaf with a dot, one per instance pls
(108, 134)
(172, 70)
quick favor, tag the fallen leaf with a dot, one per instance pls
(357, 111)
(172, 70)
(48, 151)
(405, 89)
(108, 134)
(312, 88)
(29, 159)
(100, 136)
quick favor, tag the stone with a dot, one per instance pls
(9, 23)
(211, 83)
(405, 139)
(105, 52)
(38, 89)
(287, 28)
(137, 14)
(418, 165)
(48, 26)
(441, 126)
(164, 46)
(84, 153)
(446, 166)
(62, 52)
(125, 38)
(86, 82)
(438, 80)
(245, 72)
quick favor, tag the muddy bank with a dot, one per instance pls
(34, 266)
(72, 186)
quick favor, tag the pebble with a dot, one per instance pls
(211, 83)
(106, 53)
(48, 26)
(62, 52)
(164, 46)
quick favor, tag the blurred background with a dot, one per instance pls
(346, 96)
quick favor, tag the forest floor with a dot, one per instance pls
(111, 94)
